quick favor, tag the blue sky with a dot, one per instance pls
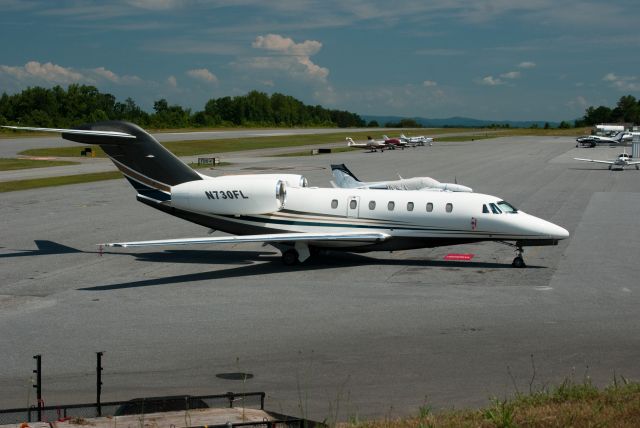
(492, 59)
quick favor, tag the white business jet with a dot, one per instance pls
(345, 179)
(280, 209)
(618, 164)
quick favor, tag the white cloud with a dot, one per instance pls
(490, 81)
(510, 75)
(109, 75)
(47, 72)
(527, 64)
(203, 74)
(34, 72)
(429, 83)
(623, 83)
(172, 81)
(290, 57)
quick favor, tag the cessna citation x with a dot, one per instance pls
(282, 210)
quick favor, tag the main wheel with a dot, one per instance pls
(518, 262)
(290, 257)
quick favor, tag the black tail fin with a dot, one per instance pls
(150, 168)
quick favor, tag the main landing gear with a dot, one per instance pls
(297, 254)
(290, 257)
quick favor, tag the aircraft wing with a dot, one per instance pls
(75, 131)
(595, 160)
(275, 237)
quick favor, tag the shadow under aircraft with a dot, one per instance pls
(256, 263)
(45, 248)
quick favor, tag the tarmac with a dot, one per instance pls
(343, 335)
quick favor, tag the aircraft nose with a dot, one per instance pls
(559, 232)
(554, 231)
(548, 229)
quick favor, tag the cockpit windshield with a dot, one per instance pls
(506, 207)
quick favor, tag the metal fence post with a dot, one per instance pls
(99, 382)
(38, 385)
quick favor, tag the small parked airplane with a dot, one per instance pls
(395, 142)
(617, 164)
(593, 140)
(419, 140)
(345, 179)
(371, 145)
(281, 210)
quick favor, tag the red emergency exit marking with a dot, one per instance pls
(459, 257)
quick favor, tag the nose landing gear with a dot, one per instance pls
(518, 261)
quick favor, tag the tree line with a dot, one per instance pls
(627, 110)
(57, 107)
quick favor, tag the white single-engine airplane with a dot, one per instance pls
(617, 164)
(280, 209)
(371, 145)
(345, 179)
(419, 140)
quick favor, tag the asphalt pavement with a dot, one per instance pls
(344, 335)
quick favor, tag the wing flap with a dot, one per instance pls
(276, 237)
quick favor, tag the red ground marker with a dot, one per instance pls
(459, 257)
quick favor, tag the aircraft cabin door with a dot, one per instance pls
(353, 206)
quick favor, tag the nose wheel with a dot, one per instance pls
(518, 262)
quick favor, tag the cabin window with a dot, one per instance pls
(507, 207)
(429, 207)
(409, 206)
(372, 205)
(391, 205)
(334, 204)
(449, 207)
(485, 210)
(353, 204)
(495, 209)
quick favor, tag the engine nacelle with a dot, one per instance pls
(293, 180)
(237, 195)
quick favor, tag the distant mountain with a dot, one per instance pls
(456, 121)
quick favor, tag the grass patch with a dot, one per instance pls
(570, 404)
(64, 152)
(13, 164)
(12, 186)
